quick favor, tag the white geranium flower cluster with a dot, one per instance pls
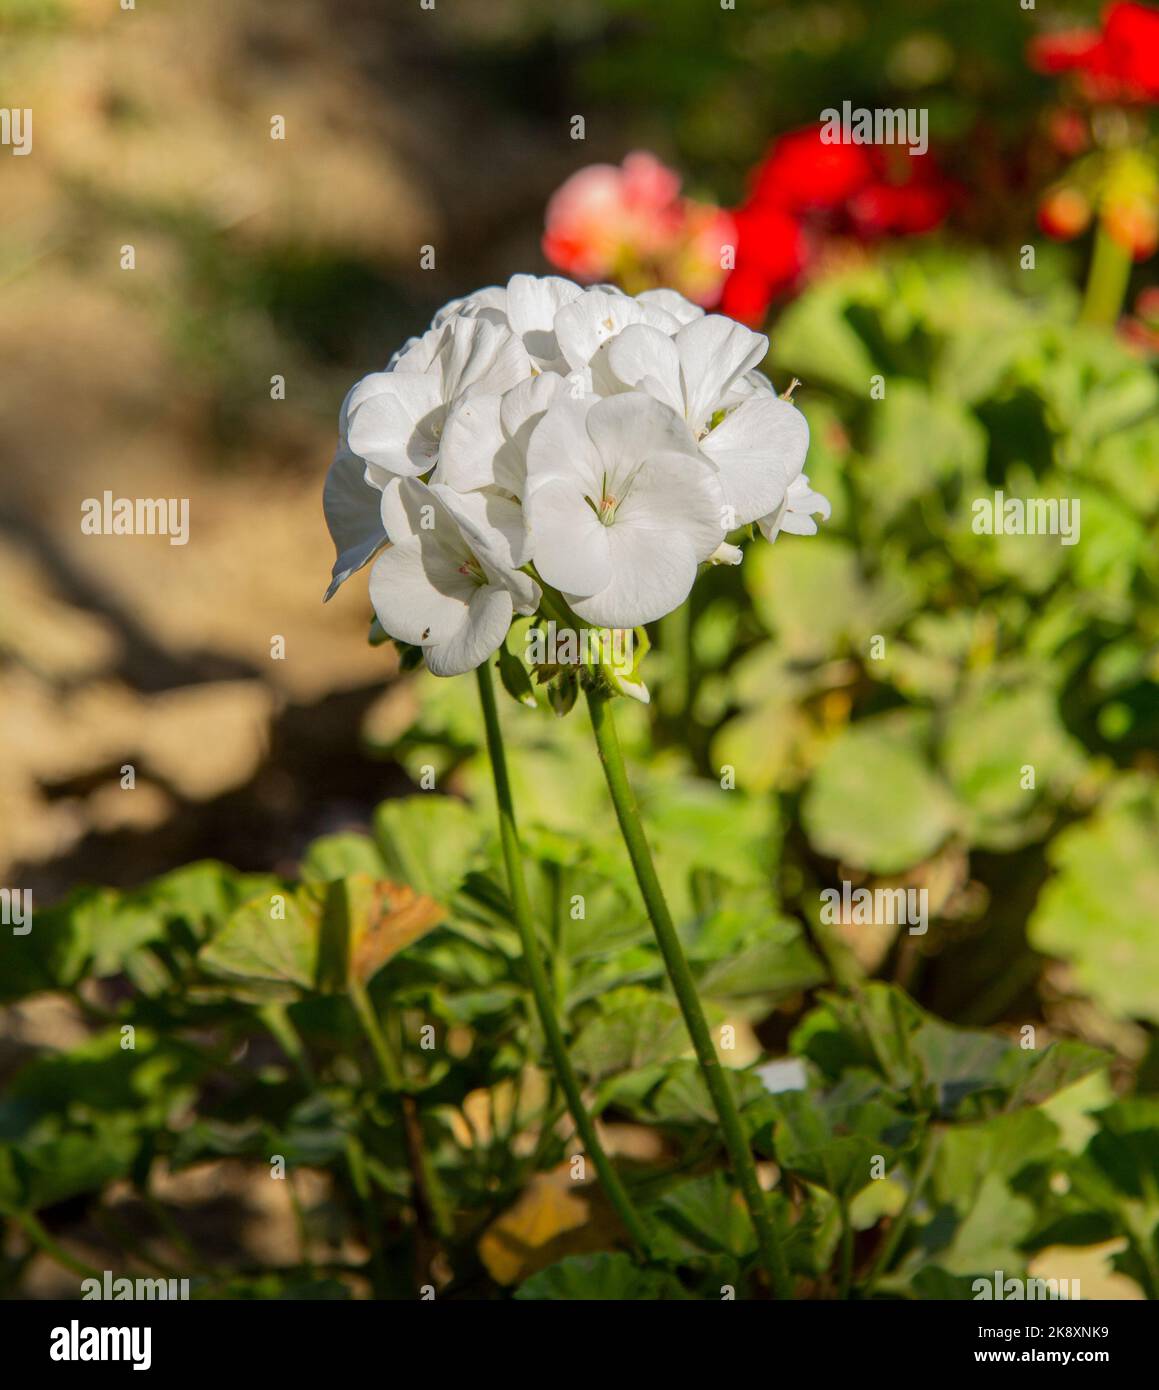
(547, 434)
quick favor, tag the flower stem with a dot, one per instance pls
(897, 1229)
(32, 1228)
(1107, 280)
(537, 974)
(680, 974)
(430, 1199)
(846, 1250)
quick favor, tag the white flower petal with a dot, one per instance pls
(448, 585)
(571, 545)
(483, 628)
(353, 516)
(759, 448)
(628, 428)
(492, 525)
(646, 358)
(418, 594)
(714, 351)
(639, 477)
(682, 310)
(472, 438)
(652, 573)
(675, 494)
(480, 356)
(726, 554)
(392, 421)
(532, 304)
(585, 324)
(489, 303)
(418, 354)
(752, 383)
(560, 447)
(521, 411)
(796, 512)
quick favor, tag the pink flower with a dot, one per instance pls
(629, 223)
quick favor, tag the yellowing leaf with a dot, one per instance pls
(513, 1247)
(321, 936)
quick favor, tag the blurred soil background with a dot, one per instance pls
(254, 257)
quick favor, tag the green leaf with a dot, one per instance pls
(955, 1071)
(988, 1236)
(990, 737)
(335, 856)
(771, 961)
(919, 441)
(58, 1163)
(706, 1215)
(1100, 911)
(999, 1147)
(635, 1028)
(1124, 461)
(514, 675)
(271, 941)
(683, 1098)
(429, 841)
(320, 936)
(810, 595)
(816, 339)
(874, 801)
(833, 1138)
(1125, 1149)
(562, 692)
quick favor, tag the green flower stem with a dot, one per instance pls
(1107, 281)
(537, 973)
(277, 1019)
(893, 1237)
(680, 974)
(32, 1228)
(360, 1182)
(429, 1195)
(846, 1250)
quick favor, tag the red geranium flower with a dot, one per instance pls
(807, 192)
(801, 174)
(1120, 62)
(770, 255)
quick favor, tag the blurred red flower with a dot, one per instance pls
(1141, 329)
(1120, 62)
(801, 174)
(806, 193)
(1064, 213)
